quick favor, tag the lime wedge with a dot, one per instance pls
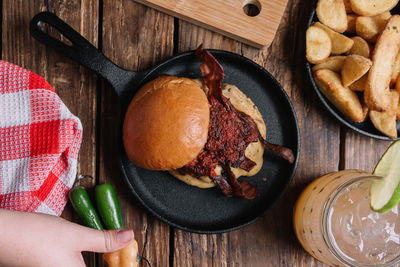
(385, 192)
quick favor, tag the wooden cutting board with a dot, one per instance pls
(229, 17)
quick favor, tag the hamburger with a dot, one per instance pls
(203, 132)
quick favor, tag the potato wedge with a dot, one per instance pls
(397, 87)
(318, 45)
(360, 84)
(360, 47)
(365, 110)
(340, 43)
(332, 13)
(351, 23)
(347, 6)
(334, 63)
(377, 94)
(395, 71)
(385, 121)
(341, 97)
(398, 111)
(369, 28)
(398, 90)
(354, 67)
(372, 7)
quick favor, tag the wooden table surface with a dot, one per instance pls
(137, 37)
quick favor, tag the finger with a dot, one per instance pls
(104, 241)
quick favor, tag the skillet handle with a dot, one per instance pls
(81, 51)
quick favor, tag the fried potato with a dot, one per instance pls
(360, 47)
(398, 111)
(360, 84)
(398, 90)
(332, 13)
(376, 94)
(395, 71)
(342, 97)
(354, 67)
(369, 28)
(351, 23)
(347, 6)
(340, 43)
(318, 45)
(385, 121)
(397, 87)
(334, 63)
(365, 110)
(372, 7)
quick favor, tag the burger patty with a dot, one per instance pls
(229, 134)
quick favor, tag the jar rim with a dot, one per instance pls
(339, 255)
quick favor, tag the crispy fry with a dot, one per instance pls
(398, 90)
(340, 43)
(396, 70)
(342, 97)
(360, 47)
(318, 45)
(351, 23)
(354, 67)
(334, 63)
(377, 94)
(360, 84)
(332, 13)
(385, 121)
(372, 7)
(369, 28)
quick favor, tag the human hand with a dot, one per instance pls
(34, 239)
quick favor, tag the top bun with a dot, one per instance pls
(166, 124)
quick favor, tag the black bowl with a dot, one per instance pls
(365, 128)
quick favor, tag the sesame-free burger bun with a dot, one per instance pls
(166, 123)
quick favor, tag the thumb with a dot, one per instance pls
(105, 241)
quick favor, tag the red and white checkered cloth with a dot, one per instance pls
(39, 143)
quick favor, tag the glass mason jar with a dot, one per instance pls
(334, 223)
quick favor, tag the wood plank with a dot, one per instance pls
(131, 41)
(75, 85)
(270, 241)
(361, 152)
(229, 17)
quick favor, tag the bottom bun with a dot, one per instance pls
(254, 151)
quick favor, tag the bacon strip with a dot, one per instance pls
(223, 185)
(283, 152)
(247, 164)
(213, 74)
(243, 188)
(212, 71)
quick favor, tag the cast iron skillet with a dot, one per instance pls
(366, 127)
(182, 206)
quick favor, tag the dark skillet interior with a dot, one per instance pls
(208, 210)
(365, 128)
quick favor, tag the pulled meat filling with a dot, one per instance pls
(229, 134)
